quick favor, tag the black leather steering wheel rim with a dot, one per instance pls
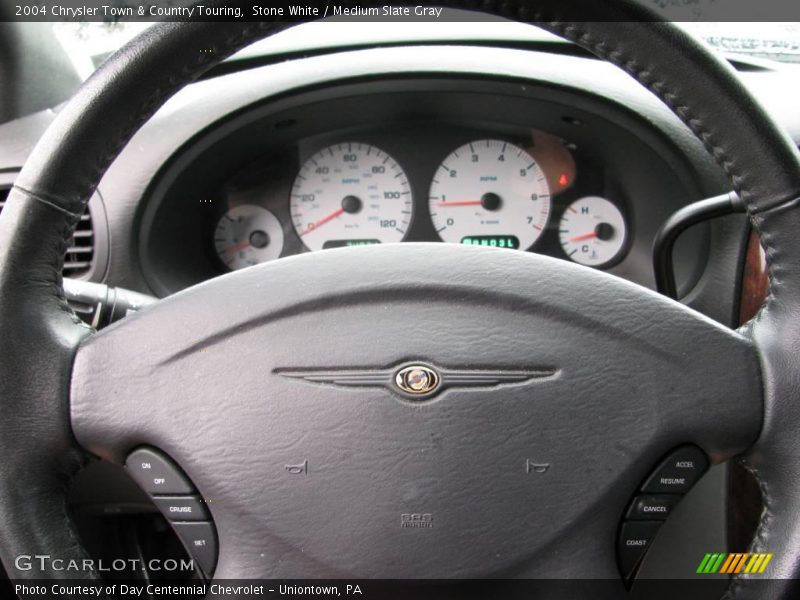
(40, 334)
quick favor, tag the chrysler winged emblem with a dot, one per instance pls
(416, 381)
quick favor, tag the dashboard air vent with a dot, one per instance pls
(80, 253)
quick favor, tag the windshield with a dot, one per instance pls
(773, 41)
(89, 43)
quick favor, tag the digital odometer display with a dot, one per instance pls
(348, 243)
(493, 241)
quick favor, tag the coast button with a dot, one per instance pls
(634, 541)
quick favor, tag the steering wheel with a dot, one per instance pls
(376, 411)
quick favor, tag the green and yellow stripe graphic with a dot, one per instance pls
(734, 562)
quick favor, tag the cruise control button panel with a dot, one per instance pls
(177, 499)
(659, 494)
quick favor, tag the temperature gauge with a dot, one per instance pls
(248, 235)
(592, 231)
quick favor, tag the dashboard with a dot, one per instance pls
(235, 142)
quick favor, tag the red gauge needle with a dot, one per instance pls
(323, 220)
(239, 246)
(460, 203)
(586, 236)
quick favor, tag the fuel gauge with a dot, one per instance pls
(592, 231)
(247, 235)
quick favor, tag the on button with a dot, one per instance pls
(156, 474)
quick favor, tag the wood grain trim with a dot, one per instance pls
(755, 282)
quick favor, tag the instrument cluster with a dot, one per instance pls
(533, 194)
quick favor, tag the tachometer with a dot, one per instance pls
(350, 194)
(592, 231)
(247, 235)
(490, 193)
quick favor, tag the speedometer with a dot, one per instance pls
(350, 194)
(490, 193)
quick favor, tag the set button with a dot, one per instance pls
(200, 541)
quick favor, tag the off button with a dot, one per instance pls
(156, 474)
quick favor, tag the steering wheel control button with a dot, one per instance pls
(634, 541)
(678, 473)
(200, 541)
(652, 506)
(182, 508)
(156, 474)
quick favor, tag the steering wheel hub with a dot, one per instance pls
(237, 397)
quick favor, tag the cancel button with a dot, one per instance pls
(652, 507)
